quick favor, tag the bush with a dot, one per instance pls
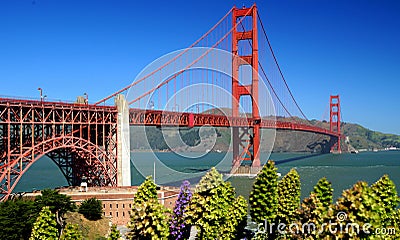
(264, 196)
(16, 218)
(114, 234)
(92, 209)
(215, 210)
(45, 227)
(289, 197)
(71, 232)
(149, 219)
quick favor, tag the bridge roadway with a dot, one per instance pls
(167, 118)
(141, 117)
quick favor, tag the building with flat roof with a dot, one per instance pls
(117, 201)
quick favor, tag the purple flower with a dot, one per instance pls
(178, 229)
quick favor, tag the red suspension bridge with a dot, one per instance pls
(232, 66)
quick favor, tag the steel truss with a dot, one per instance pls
(79, 138)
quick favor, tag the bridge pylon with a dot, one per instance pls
(334, 121)
(123, 142)
(246, 140)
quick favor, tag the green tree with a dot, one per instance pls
(92, 209)
(395, 224)
(146, 190)
(45, 227)
(114, 234)
(387, 198)
(16, 218)
(289, 197)
(149, 219)
(71, 232)
(58, 204)
(214, 210)
(264, 195)
(356, 206)
(324, 192)
(314, 210)
(311, 213)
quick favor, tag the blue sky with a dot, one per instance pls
(341, 47)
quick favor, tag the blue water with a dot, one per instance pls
(343, 170)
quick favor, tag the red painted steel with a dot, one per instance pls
(246, 139)
(140, 117)
(334, 120)
(79, 138)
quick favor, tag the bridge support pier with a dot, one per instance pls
(123, 142)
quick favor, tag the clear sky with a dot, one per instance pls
(344, 47)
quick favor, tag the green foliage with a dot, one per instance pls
(289, 197)
(214, 210)
(16, 219)
(360, 207)
(155, 138)
(114, 234)
(311, 211)
(386, 197)
(237, 219)
(314, 210)
(55, 201)
(361, 137)
(191, 137)
(324, 192)
(71, 232)
(92, 209)
(264, 196)
(45, 227)
(146, 190)
(149, 219)
(395, 223)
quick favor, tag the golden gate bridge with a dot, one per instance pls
(91, 139)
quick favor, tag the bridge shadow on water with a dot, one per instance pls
(279, 162)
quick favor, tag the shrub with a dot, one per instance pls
(215, 211)
(264, 196)
(149, 219)
(92, 209)
(45, 227)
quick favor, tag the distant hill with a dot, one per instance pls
(285, 141)
(363, 138)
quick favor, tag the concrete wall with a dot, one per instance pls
(123, 148)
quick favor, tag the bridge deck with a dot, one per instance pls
(168, 118)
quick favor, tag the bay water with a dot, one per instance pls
(343, 170)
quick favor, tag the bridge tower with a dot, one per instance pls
(334, 121)
(246, 140)
(123, 142)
